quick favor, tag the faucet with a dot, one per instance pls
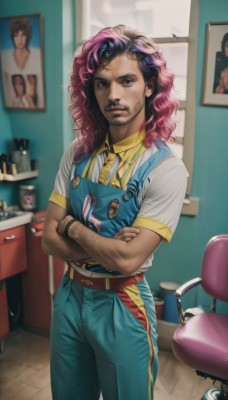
(3, 208)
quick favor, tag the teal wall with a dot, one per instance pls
(45, 129)
(181, 260)
(51, 131)
(6, 189)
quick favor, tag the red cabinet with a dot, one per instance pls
(13, 259)
(4, 321)
(37, 286)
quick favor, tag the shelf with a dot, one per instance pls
(19, 177)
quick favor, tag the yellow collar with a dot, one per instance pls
(123, 145)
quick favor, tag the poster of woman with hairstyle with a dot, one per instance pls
(21, 47)
(221, 68)
(215, 85)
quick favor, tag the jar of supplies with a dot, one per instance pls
(27, 197)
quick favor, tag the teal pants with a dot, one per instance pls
(103, 341)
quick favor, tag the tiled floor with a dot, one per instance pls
(24, 372)
(24, 367)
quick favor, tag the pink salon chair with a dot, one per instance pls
(201, 340)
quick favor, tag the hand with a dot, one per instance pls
(61, 228)
(127, 234)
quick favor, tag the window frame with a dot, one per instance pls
(82, 10)
(191, 204)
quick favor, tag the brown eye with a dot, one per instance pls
(127, 82)
(101, 84)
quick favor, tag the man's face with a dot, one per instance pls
(120, 91)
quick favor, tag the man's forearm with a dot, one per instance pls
(118, 255)
(106, 251)
(66, 249)
(54, 243)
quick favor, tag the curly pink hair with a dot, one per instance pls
(104, 46)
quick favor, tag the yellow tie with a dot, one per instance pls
(105, 170)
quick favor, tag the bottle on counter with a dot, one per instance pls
(28, 197)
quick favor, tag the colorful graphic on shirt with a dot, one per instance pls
(87, 214)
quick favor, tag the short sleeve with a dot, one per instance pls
(162, 198)
(65, 173)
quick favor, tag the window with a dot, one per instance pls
(157, 18)
(173, 25)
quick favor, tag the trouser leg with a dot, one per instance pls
(122, 332)
(73, 364)
(107, 334)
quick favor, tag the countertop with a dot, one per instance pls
(25, 217)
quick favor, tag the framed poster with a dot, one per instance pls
(215, 85)
(22, 70)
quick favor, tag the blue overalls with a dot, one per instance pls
(105, 339)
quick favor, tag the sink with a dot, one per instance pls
(11, 214)
(13, 218)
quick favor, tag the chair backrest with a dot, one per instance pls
(214, 270)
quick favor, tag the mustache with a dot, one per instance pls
(114, 105)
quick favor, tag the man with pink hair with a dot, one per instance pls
(117, 195)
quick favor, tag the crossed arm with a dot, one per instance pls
(124, 253)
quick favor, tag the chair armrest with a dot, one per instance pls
(181, 291)
(187, 286)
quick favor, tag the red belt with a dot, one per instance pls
(104, 283)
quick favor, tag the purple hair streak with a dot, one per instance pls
(89, 122)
